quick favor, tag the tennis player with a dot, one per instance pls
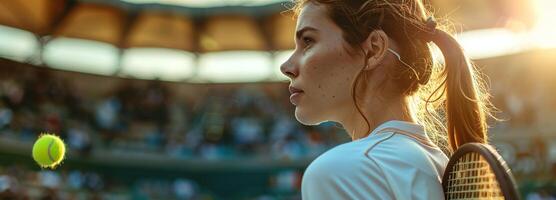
(367, 65)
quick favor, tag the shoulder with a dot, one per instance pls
(345, 157)
(387, 149)
(344, 172)
(411, 170)
(401, 152)
(382, 166)
(346, 161)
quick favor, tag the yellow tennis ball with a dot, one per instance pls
(49, 150)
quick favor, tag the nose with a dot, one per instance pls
(289, 68)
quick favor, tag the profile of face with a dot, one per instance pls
(321, 69)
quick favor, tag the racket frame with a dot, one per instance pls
(497, 164)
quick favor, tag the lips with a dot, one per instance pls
(295, 95)
(294, 90)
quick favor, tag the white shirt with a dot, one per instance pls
(386, 164)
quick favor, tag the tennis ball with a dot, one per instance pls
(49, 150)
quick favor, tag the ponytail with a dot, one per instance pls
(465, 108)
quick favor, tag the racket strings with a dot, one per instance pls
(472, 178)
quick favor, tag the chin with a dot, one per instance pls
(306, 117)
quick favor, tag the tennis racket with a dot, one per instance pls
(477, 171)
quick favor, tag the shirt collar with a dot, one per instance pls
(402, 125)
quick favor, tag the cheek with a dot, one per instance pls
(330, 72)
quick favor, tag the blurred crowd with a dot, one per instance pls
(18, 182)
(216, 122)
(222, 123)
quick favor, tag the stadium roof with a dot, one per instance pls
(220, 41)
(206, 3)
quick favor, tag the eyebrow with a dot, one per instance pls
(300, 32)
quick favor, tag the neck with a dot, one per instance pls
(356, 126)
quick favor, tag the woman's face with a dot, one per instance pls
(321, 67)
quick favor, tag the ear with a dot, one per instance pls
(375, 47)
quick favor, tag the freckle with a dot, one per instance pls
(319, 85)
(333, 96)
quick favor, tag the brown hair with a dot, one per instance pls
(451, 94)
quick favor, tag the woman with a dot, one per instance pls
(367, 65)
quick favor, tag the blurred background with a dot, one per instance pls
(183, 99)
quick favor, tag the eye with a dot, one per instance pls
(307, 40)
